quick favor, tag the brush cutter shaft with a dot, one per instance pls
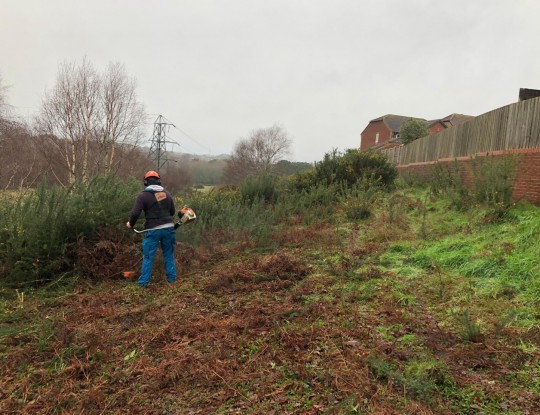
(185, 215)
(176, 225)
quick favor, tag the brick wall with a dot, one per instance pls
(370, 132)
(526, 181)
(436, 128)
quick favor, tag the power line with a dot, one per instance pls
(184, 147)
(187, 135)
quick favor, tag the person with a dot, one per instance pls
(158, 207)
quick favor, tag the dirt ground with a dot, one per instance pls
(293, 330)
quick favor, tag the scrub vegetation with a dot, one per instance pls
(297, 295)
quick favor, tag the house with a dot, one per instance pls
(455, 119)
(436, 126)
(383, 132)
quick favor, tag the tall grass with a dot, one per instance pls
(492, 183)
(493, 180)
(446, 181)
(498, 256)
(223, 217)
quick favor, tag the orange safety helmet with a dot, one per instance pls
(150, 174)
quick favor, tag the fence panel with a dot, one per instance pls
(514, 126)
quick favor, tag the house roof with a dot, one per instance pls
(394, 122)
(393, 142)
(431, 123)
(457, 119)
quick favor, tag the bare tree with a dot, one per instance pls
(87, 117)
(17, 155)
(3, 102)
(177, 177)
(122, 115)
(68, 116)
(258, 153)
(20, 161)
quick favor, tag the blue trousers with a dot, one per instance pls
(152, 239)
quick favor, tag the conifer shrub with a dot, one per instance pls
(214, 202)
(493, 179)
(40, 229)
(223, 216)
(353, 166)
(259, 188)
(360, 199)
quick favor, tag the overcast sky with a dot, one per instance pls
(320, 68)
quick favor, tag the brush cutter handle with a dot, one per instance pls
(185, 215)
(176, 226)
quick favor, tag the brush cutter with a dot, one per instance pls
(185, 215)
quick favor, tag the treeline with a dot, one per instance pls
(211, 172)
(91, 123)
(26, 158)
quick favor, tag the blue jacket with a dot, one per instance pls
(158, 207)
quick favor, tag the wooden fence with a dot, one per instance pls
(516, 126)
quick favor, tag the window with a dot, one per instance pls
(377, 138)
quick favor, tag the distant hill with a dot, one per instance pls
(178, 156)
(204, 157)
(207, 169)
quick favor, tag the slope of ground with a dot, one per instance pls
(412, 311)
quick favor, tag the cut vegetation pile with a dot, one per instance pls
(416, 309)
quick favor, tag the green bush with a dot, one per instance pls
(359, 201)
(314, 202)
(223, 216)
(446, 181)
(409, 179)
(40, 229)
(259, 188)
(353, 166)
(493, 179)
(301, 181)
(214, 209)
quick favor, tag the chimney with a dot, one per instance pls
(525, 93)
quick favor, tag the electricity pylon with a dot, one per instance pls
(158, 152)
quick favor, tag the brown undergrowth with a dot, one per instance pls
(312, 328)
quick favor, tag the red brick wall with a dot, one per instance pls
(436, 128)
(370, 132)
(526, 181)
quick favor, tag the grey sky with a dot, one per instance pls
(322, 69)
